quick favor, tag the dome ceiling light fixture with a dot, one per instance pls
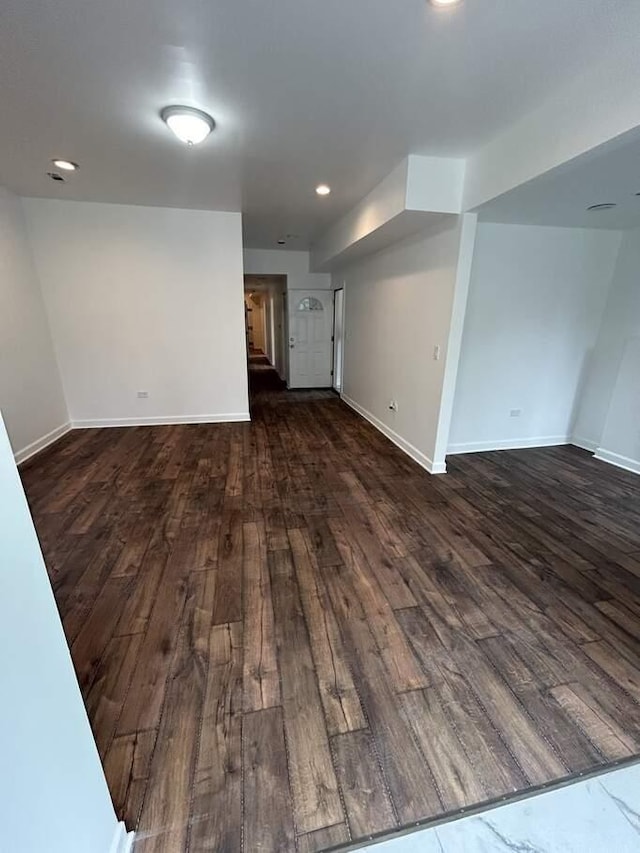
(66, 165)
(190, 125)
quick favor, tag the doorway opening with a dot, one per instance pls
(265, 302)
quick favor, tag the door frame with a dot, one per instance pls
(334, 376)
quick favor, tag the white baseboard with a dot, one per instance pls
(40, 443)
(100, 423)
(584, 443)
(508, 444)
(122, 840)
(625, 462)
(409, 449)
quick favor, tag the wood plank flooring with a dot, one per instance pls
(288, 636)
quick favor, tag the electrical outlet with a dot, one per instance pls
(436, 352)
(142, 395)
(515, 413)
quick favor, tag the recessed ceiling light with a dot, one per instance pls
(441, 3)
(323, 189)
(191, 126)
(606, 206)
(281, 242)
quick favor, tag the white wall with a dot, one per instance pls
(143, 299)
(53, 792)
(535, 304)
(390, 212)
(31, 394)
(593, 107)
(398, 306)
(609, 412)
(295, 265)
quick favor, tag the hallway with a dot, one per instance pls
(288, 635)
(262, 375)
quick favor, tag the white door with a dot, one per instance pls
(310, 346)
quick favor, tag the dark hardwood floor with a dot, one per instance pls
(288, 635)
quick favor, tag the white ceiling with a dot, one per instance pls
(303, 91)
(609, 174)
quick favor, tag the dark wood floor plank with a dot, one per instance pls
(228, 602)
(313, 781)
(126, 766)
(143, 706)
(268, 823)
(323, 839)
(364, 791)
(622, 671)
(106, 697)
(339, 697)
(90, 644)
(494, 764)
(612, 741)
(527, 743)
(454, 773)
(165, 810)
(573, 748)
(261, 681)
(131, 557)
(409, 779)
(402, 666)
(365, 529)
(623, 617)
(216, 810)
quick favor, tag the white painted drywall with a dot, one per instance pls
(385, 202)
(31, 394)
(295, 265)
(143, 299)
(53, 792)
(398, 307)
(536, 300)
(608, 412)
(620, 443)
(590, 109)
(389, 213)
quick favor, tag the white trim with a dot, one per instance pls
(40, 443)
(584, 443)
(122, 840)
(232, 417)
(508, 444)
(625, 462)
(400, 442)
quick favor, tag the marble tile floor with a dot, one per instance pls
(599, 814)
